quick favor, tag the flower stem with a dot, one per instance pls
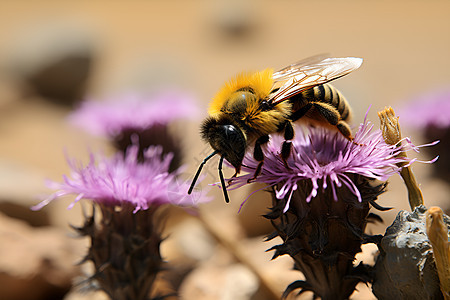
(414, 193)
(438, 235)
(125, 251)
(392, 136)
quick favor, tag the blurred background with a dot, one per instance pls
(55, 54)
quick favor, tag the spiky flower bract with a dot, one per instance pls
(126, 237)
(321, 202)
(146, 117)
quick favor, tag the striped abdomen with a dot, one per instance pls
(326, 93)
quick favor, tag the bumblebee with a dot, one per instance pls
(253, 105)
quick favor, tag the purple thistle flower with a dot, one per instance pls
(428, 115)
(122, 180)
(110, 118)
(321, 202)
(321, 156)
(137, 119)
(126, 238)
(430, 109)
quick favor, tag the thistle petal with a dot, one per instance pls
(118, 180)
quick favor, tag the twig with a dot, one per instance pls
(238, 254)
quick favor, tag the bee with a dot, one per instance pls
(253, 105)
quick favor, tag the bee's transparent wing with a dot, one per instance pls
(304, 63)
(310, 72)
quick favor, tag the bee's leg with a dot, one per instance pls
(343, 128)
(287, 144)
(329, 112)
(232, 177)
(258, 155)
(301, 112)
(333, 117)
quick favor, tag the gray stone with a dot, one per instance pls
(405, 268)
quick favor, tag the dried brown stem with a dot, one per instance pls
(438, 235)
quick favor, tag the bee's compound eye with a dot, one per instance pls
(231, 144)
(231, 132)
(264, 105)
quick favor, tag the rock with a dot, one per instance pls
(36, 263)
(230, 282)
(64, 80)
(53, 60)
(90, 295)
(24, 213)
(19, 188)
(405, 268)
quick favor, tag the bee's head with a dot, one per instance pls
(226, 137)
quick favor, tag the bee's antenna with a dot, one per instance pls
(222, 181)
(200, 170)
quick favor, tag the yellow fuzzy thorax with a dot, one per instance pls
(267, 122)
(260, 82)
